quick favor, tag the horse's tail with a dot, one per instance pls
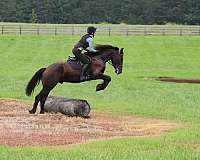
(35, 80)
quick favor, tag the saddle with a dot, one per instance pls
(74, 59)
(76, 63)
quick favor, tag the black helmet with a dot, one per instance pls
(91, 30)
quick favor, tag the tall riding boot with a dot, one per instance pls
(83, 72)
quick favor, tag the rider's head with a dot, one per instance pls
(91, 30)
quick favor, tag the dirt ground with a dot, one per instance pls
(19, 128)
(174, 79)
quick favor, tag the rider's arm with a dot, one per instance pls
(91, 45)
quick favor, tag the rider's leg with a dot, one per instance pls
(85, 61)
(85, 68)
(84, 71)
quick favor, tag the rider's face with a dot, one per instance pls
(93, 34)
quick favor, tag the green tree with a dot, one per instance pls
(33, 17)
(96, 11)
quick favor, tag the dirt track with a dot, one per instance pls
(19, 128)
(174, 79)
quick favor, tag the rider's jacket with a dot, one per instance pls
(86, 43)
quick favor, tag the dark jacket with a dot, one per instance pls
(82, 42)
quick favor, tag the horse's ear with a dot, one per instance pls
(122, 51)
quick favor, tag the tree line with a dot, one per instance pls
(101, 11)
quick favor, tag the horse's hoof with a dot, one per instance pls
(99, 87)
(41, 112)
(32, 112)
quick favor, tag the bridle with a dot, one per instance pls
(109, 62)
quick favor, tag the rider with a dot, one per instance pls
(85, 44)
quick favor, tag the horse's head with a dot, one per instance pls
(117, 60)
(108, 52)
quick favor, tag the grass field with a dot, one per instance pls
(129, 94)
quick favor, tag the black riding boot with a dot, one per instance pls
(83, 72)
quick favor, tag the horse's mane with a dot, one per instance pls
(100, 47)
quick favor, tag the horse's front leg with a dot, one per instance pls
(106, 81)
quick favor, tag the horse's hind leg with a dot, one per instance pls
(37, 99)
(41, 97)
(45, 93)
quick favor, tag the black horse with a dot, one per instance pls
(70, 72)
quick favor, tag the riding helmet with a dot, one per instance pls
(91, 30)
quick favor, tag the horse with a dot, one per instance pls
(70, 72)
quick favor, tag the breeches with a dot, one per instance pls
(81, 56)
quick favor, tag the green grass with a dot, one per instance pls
(21, 56)
(169, 147)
